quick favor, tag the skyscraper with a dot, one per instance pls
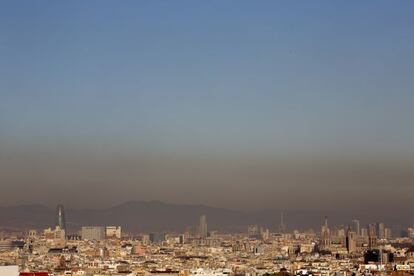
(381, 230)
(202, 227)
(356, 227)
(387, 233)
(350, 241)
(60, 217)
(364, 232)
(372, 236)
(326, 235)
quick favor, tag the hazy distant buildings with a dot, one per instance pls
(93, 233)
(356, 227)
(202, 227)
(156, 237)
(264, 234)
(364, 232)
(387, 233)
(145, 239)
(411, 232)
(381, 230)
(113, 232)
(396, 230)
(253, 232)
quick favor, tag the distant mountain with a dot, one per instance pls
(147, 216)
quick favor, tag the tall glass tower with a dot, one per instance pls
(60, 217)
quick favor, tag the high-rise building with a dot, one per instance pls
(60, 217)
(350, 241)
(145, 239)
(381, 230)
(326, 235)
(93, 233)
(387, 233)
(356, 227)
(202, 227)
(364, 232)
(372, 236)
(341, 233)
(264, 233)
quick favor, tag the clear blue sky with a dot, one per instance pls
(263, 77)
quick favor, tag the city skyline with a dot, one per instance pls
(107, 250)
(156, 216)
(206, 138)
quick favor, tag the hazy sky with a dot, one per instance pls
(240, 104)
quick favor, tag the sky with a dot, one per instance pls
(236, 104)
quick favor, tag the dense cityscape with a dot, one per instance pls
(206, 138)
(353, 249)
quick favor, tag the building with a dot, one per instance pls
(32, 234)
(381, 230)
(326, 235)
(372, 236)
(12, 270)
(356, 227)
(8, 245)
(93, 233)
(58, 234)
(34, 274)
(60, 217)
(264, 233)
(157, 237)
(411, 232)
(387, 233)
(145, 240)
(253, 232)
(364, 232)
(113, 232)
(351, 241)
(202, 227)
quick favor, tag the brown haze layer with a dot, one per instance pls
(87, 179)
